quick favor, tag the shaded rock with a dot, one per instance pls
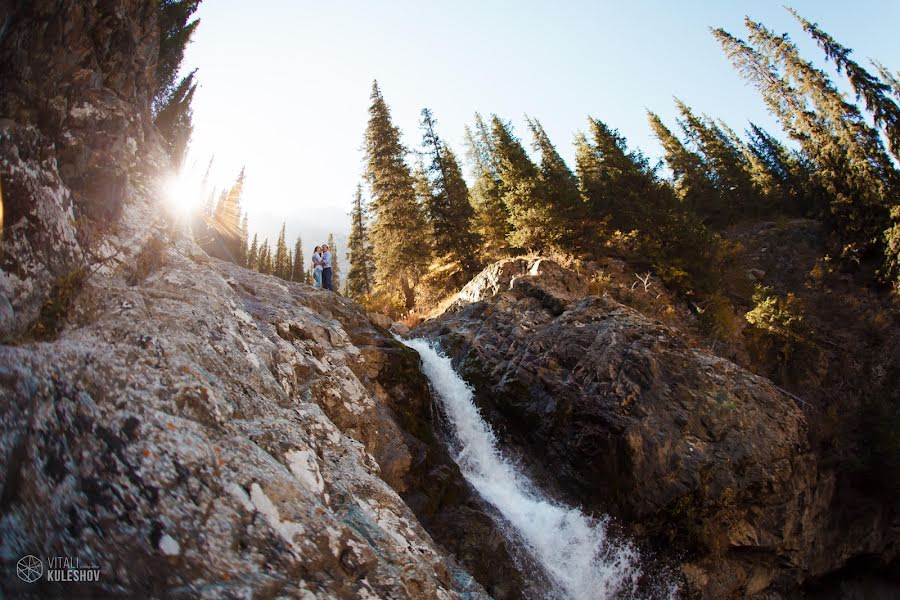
(685, 448)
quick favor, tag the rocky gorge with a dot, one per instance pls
(616, 413)
(195, 429)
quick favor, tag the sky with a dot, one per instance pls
(284, 84)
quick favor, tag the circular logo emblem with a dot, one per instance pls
(29, 568)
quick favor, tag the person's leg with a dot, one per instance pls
(326, 276)
(317, 274)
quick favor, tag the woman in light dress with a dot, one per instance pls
(317, 266)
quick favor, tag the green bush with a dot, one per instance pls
(779, 340)
(779, 316)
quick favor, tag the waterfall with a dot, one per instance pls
(574, 549)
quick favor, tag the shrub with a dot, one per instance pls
(718, 318)
(149, 260)
(55, 309)
(779, 340)
(781, 317)
(391, 304)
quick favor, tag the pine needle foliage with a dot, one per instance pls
(491, 214)
(359, 252)
(450, 213)
(401, 254)
(175, 119)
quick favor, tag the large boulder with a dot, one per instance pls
(200, 428)
(617, 413)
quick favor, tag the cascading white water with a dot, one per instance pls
(574, 549)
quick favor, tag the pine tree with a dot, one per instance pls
(449, 210)
(298, 270)
(782, 176)
(359, 277)
(691, 182)
(620, 186)
(491, 215)
(175, 31)
(617, 185)
(174, 120)
(848, 159)
(280, 266)
(876, 93)
(400, 250)
(265, 258)
(335, 264)
(244, 235)
(726, 167)
(560, 195)
(529, 213)
(253, 255)
(226, 223)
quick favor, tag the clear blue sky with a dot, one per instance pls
(285, 84)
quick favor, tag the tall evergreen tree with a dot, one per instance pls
(174, 120)
(491, 214)
(225, 242)
(529, 212)
(782, 175)
(876, 93)
(175, 31)
(559, 190)
(253, 255)
(727, 168)
(264, 263)
(298, 266)
(244, 241)
(359, 256)
(401, 253)
(280, 264)
(617, 184)
(335, 264)
(849, 161)
(691, 182)
(449, 210)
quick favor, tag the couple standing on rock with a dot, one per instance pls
(321, 260)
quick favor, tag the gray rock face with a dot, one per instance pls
(77, 143)
(217, 432)
(685, 448)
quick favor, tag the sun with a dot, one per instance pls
(183, 195)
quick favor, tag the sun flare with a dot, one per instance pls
(183, 195)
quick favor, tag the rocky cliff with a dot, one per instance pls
(191, 428)
(707, 461)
